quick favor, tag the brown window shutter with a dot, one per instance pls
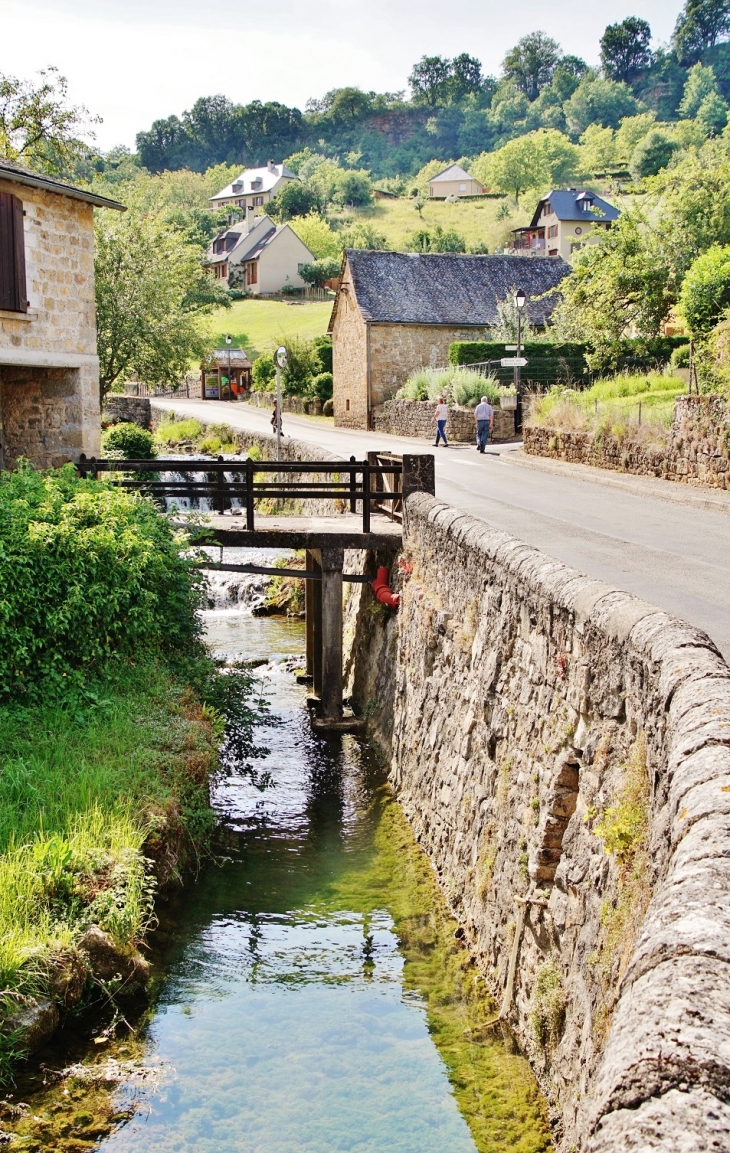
(12, 254)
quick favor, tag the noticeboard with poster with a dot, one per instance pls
(212, 386)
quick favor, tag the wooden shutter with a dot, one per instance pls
(12, 254)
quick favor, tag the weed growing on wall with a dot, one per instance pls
(548, 1006)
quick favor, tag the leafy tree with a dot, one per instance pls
(263, 372)
(652, 153)
(151, 297)
(701, 83)
(561, 159)
(705, 294)
(567, 76)
(712, 114)
(531, 64)
(429, 80)
(598, 101)
(363, 234)
(354, 187)
(38, 126)
(321, 386)
(320, 271)
(466, 77)
(294, 199)
(345, 106)
(317, 235)
(632, 129)
(700, 25)
(625, 49)
(516, 167)
(509, 111)
(599, 149)
(436, 240)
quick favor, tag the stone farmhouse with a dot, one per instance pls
(396, 312)
(49, 370)
(258, 256)
(454, 181)
(562, 222)
(253, 188)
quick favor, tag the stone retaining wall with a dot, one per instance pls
(563, 752)
(288, 403)
(696, 450)
(119, 408)
(415, 418)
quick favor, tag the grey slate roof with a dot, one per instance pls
(565, 203)
(448, 287)
(22, 175)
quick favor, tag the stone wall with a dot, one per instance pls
(288, 403)
(562, 750)
(415, 418)
(350, 359)
(52, 414)
(119, 408)
(397, 350)
(696, 450)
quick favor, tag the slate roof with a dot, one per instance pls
(268, 178)
(453, 172)
(448, 287)
(566, 204)
(22, 175)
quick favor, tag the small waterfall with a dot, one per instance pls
(202, 503)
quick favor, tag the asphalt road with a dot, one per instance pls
(674, 555)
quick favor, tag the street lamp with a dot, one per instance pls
(228, 342)
(281, 359)
(520, 302)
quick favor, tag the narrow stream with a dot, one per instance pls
(311, 994)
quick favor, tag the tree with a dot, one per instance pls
(567, 76)
(320, 271)
(631, 131)
(515, 167)
(295, 199)
(561, 159)
(151, 297)
(599, 148)
(701, 83)
(712, 114)
(38, 126)
(438, 240)
(317, 235)
(429, 79)
(466, 77)
(599, 101)
(700, 25)
(354, 187)
(652, 153)
(705, 294)
(531, 64)
(625, 50)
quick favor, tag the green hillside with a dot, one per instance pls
(259, 325)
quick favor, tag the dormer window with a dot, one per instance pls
(547, 208)
(237, 186)
(256, 184)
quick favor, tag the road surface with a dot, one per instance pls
(674, 555)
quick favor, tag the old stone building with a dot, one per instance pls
(396, 312)
(49, 370)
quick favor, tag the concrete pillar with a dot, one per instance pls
(309, 563)
(332, 563)
(316, 623)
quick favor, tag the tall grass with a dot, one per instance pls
(457, 386)
(614, 405)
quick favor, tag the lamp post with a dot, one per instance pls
(281, 358)
(520, 301)
(228, 343)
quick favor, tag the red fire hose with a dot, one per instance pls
(382, 590)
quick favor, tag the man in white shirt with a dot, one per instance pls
(441, 415)
(483, 415)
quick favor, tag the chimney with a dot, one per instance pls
(250, 221)
(271, 166)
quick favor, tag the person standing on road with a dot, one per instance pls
(276, 419)
(441, 415)
(484, 416)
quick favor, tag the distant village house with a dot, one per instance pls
(396, 312)
(253, 188)
(258, 256)
(49, 369)
(563, 222)
(226, 375)
(454, 181)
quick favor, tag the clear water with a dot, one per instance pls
(312, 995)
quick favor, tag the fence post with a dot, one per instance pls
(353, 486)
(332, 563)
(419, 475)
(249, 495)
(220, 497)
(365, 496)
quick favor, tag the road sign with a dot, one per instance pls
(513, 362)
(510, 348)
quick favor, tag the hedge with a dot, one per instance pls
(473, 351)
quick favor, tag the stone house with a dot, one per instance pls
(396, 312)
(562, 222)
(49, 370)
(258, 256)
(254, 188)
(454, 181)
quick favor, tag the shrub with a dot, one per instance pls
(321, 386)
(320, 271)
(328, 408)
(87, 571)
(652, 154)
(457, 386)
(323, 344)
(130, 441)
(680, 357)
(173, 432)
(263, 372)
(706, 290)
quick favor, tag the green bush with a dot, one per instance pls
(130, 441)
(706, 290)
(323, 344)
(263, 372)
(474, 351)
(680, 357)
(87, 571)
(457, 386)
(321, 386)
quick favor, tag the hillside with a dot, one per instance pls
(259, 325)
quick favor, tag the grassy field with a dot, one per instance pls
(259, 325)
(475, 220)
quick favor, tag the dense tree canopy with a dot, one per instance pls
(38, 125)
(626, 49)
(705, 294)
(700, 25)
(531, 63)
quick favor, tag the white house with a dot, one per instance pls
(258, 255)
(254, 187)
(454, 181)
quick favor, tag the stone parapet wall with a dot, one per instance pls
(288, 403)
(119, 408)
(696, 450)
(563, 752)
(416, 418)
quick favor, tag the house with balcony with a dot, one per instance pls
(254, 188)
(563, 221)
(454, 181)
(258, 256)
(49, 368)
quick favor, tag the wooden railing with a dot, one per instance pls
(366, 483)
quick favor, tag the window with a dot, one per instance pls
(553, 252)
(12, 254)
(552, 231)
(547, 209)
(462, 188)
(258, 201)
(347, 406)
(299, 268)
(252, 273)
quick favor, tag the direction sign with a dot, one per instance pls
(513, 362)
(510, 348)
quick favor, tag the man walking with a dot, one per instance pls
(441, 415)
(483, 415)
